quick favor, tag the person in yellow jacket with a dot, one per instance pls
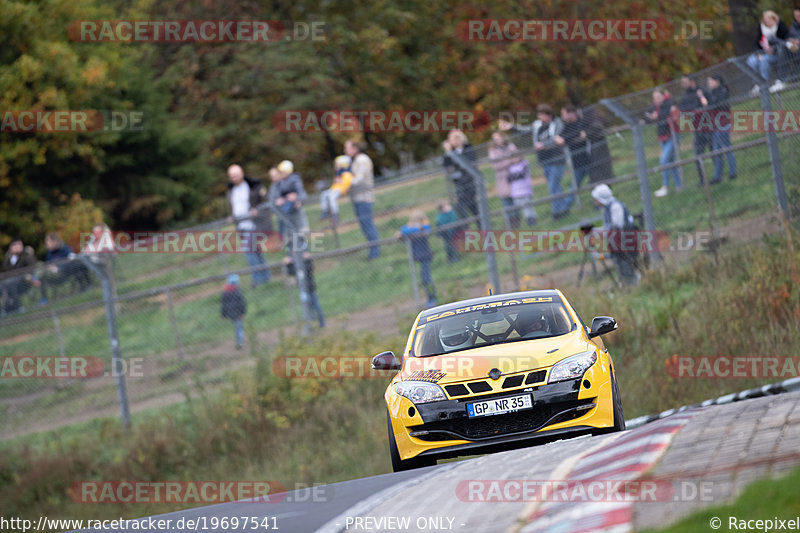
(329, 199)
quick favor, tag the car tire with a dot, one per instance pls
(619, 418)
(398, 465)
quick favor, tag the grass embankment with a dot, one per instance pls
(767, 499)
(259, 426)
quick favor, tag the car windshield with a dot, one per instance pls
(487, 324)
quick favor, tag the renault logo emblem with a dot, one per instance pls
(494, 373)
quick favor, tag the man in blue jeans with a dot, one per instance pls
(244, 196)
(549, 146)
(361, 194)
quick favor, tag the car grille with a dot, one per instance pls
(498, 425)
(483, 386)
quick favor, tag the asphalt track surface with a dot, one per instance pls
(722, 446)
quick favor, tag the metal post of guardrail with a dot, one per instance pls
(413, 270)
(174, 323)
(573, 179)
(772, 137)
(101, 267)
(59, 337)
(297, 247)
(484, 214)
(641, 165)
(676, 143)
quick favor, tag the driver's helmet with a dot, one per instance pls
(530, 321)
(455, 334)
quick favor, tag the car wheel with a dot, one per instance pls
(619, 418)
(398, 465)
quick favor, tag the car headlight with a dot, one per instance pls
(420, 391)
(572, 367)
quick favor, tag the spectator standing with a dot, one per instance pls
(287, 195)
(521, 187)
(361, 194)
(502, 153)
(445, 217)
(616, 218)
(789, 54)
(548, 143)
(464, 183)
(665, 114)
(576, 138)
(311, 285)
(329, 199)
(772, 34)
(717, 103)
(234, 307)
(15, 262)
(417, 230)
(244, 195)
(62, 265)
(600, 167)
(691, 102)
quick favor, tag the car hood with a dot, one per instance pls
(509, 358)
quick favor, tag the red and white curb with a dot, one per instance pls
(625, 458)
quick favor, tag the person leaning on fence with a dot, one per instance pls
(417, 230)
(719, 108)
(361, 194)
(616, 218)
(287, 195)
(447, 217)
(329, 198)
(549, 146)
(311, 285)
(244, 195)
(690, 104)
(576, 138)
(234, 306)
(771, 36)
(462, 180)
(788, 65)
(502, 153)
(62, 266)
(17, 279)
(665, 114)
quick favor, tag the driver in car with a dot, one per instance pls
(532, 323)
(456, 334)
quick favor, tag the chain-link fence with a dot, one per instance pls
(161, 313)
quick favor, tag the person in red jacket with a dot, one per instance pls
(665, 114)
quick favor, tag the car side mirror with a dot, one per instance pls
(602, 325)
(385, 361)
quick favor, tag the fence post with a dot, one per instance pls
(59, 337)
(174, 323)
(103, 271)
(413, 270)
(676, 142)
(641, 165)
(483, 214)
(772, 137)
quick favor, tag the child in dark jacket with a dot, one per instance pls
(417, 230)
(311, 285)
(448, 216)
(234, 307)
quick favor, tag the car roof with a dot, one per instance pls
(488, 299)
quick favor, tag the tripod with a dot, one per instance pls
(587, 254)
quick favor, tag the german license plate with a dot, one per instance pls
(500, 406)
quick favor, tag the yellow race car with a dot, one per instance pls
(495, 373)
